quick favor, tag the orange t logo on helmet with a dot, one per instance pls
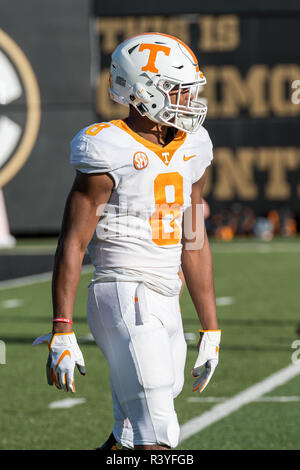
(154, 49)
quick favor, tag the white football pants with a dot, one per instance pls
(140, 333)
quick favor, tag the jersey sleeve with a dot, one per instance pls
(89, 158)
(205, 147)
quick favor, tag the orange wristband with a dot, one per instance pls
(63, 320)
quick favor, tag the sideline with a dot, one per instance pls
(36, 278)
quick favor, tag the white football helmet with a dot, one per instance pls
(145, 68)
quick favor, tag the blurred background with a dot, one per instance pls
(54, 67)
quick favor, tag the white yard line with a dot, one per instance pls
(280, 399)
(223, 301)
(66, 403)
(249, 395)
(29, 251)
(11, 303)
(35, 279)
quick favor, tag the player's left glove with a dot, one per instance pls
(207, 359)
(64, 354)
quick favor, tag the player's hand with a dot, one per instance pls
(64, 354)
(207, 359)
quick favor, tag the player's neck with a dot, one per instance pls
(154, 132)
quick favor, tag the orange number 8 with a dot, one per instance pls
(95, 128)
(167, 206)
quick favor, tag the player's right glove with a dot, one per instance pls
(64, 354)
(207, 359)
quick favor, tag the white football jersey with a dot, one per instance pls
(138, 236)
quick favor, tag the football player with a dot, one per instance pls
(136, 205)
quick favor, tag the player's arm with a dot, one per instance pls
(196, 261)
(84, 205)
(197, 267)
(82, 211)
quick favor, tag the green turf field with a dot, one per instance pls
(257, 289)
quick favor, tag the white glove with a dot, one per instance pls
(207, 359)
(64, 353)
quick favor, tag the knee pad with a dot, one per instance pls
(165, 433)
(167, 430)
(178, 386)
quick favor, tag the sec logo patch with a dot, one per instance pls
(140, 160)
(19, 94)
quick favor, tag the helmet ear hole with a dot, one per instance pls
(142, 109)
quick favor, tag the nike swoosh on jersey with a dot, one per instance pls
(188, 158)
(64, 354)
